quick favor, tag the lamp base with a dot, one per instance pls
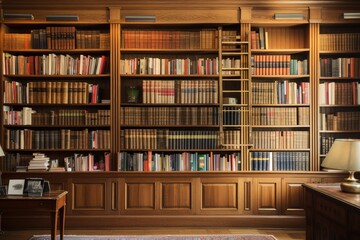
(350, 186)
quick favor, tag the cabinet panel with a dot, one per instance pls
(176, 195)
(268, 196)
(293, 196)
(140, 196)
(219, 195)
(88, 196)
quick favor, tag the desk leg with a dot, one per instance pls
(54, 223)
(62, 222)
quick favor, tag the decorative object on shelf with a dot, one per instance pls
(34, 187)
(3, 191)
(16, 186)
(18, 16)
(132, 94)
(64, 17)
(344, 154)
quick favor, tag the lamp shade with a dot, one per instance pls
(344, 154)
(1, 152)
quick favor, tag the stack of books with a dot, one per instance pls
(39, 162)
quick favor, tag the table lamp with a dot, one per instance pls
(344, 154)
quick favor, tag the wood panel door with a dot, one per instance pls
(267, 196)
(293, 196)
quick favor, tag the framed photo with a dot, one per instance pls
(16, 186)
(34, 186)
(3, 191)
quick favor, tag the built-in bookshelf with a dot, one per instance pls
(280, 98)
(172, 112)
(339, 86)
(56, 81)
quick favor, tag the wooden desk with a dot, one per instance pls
(53, 202)
(331, 213)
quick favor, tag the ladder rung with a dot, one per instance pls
(234, 80)
(234, 53)
(234, 43)
(236, 91)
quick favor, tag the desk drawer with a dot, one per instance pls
(330, 209)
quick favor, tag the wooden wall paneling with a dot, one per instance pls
(91, 196)
(293, 197)
(177, 196)
(267, 197)
(89, 16)
(265, 15)
(246, 195)
(190, 16)
(219, 195)
(140, 195)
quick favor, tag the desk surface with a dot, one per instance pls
(333, 190)
(53, 195)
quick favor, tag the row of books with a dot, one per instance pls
(280, 92)
(57, 139)
(167, 116)
(280, 161)
(51, 92)
(340, 121)
(340, 67)
(339, 93)
(62, 117)
(58, 38)
(325, 143)
(231, 139)
(278, 65)
(229, 64)
(169, 66)
(170, 39)
(281, 139)
(259, 39)
(339, 42)
(53, 64)
(184, 161)
(180, 91)
(169, 139)
(87, 162)
(231, 115)
(290, 116)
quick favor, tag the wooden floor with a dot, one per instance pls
(280, 234)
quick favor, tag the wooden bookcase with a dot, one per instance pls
(280, 97)
(339, 98)
(243, 195)
(56, 81)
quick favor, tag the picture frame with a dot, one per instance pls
(47, 187)
(3, 191)
(34, 187)
(16, 186)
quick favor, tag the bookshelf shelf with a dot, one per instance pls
(57, 150)
(56, 126)
(293, 77)
(61, 51)
(280, 51)
(59, 77)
